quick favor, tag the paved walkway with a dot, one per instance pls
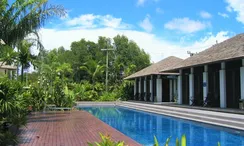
(75, 128)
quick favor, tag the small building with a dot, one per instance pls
(7, 70)
(213, 77)
(152, 85)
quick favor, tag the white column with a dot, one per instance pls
(170, 90)
(151, 89)
(145, 89)
(159, 89)
(135, 87)
(191, 86)
(205, 82)
(175, 90)
(180, 88)
(222, 85)
(242, 79)
(10, 74)
(139, 85)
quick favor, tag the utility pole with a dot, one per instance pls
(107, 66)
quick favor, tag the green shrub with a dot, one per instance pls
(90, 95)
(177, 142)
(124, 90)
(106, 141)
(108, 96)
(12, 110)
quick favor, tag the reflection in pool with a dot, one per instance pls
(142, 126)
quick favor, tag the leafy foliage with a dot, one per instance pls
(12, 110)
(106, 141)
(23, 17)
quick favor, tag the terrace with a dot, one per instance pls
(67, 128)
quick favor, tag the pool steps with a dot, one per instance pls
(230, 120)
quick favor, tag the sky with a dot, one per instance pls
(161, 27)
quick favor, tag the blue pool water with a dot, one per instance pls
(142, 126)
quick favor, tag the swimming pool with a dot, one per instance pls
(142, 126)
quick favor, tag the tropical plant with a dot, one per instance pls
(12, 111)
(106, 141)
(23, 17)
(124, 90)
(7, 55)
(70, 97)
(93, 69)
(38, 97)
(64, 70)
(177, 143)
(108, 96)
(24, 56)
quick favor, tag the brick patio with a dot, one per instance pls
(74, 128)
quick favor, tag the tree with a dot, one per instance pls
(64, 70)
(25, 57)
(7, 55)
(93, 69)
(24, 17)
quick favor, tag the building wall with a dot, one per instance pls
(214, 88)
(233, 92)
(233, 83)
(3, 71)
(185, 86)
(198, 85)
(165, 89)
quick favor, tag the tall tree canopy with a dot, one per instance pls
(88, 61)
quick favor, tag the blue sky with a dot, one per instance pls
(162, 28)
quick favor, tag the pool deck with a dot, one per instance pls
(68, 128)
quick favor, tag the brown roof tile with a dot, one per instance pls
(4, 66)
(156, 67)
(229, 49)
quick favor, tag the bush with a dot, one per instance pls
(108, 96)
(124, 91)
(106, 141)
(12, 110)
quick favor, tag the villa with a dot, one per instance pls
(213, 77)
(152, 85)
(7, 70)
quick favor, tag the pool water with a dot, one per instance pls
(142, 126)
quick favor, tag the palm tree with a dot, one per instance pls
(7, 55)
(64, 69)
(25, 57)
(24, 17)
(93, 69)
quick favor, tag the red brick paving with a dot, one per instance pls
(75, 128)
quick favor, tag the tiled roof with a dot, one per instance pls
(4, 66)
(227, 50)
(155, 68)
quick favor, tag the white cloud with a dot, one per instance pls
(159, 10)
(146, 24)
(205, 15)
(92, 21)
(229, 9)
(110, 21)
(142, 2)
(157, 47)
(186, 25)
(223, 15)
(86, 20)
(238, 7)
